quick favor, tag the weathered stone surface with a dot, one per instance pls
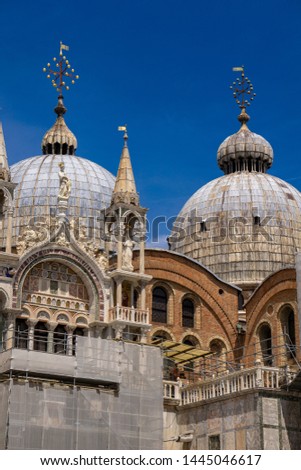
(291, 440)
(229, 440)
(270, 411)
(290, 412)
(253, 439)
(271, 439)
(240, 436)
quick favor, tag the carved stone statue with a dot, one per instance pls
(92, 248)
(31, 237)
(127, 255)
(61, 240)
(65, 183)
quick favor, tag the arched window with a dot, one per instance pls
(21, 334)
(265, 340)
(219, 357)
(60, 340)
(40, 337)
(160, 336)
(287, 318)
(159, 308)
(188, 313)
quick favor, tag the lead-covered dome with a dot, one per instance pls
(243, 226)
(38, 187)
(38, 184)
(246, 224)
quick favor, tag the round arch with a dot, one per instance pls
(265, 343)
(94, 285)
(162, 332)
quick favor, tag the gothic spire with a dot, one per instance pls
(125, 188)
(4, 168)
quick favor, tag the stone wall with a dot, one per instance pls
(249, 421)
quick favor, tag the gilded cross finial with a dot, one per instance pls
(64, 73)
(243, 93)
(125, 135)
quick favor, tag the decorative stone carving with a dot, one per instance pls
(61, 239)
(31, 237)
(127, 255)
(65, 183)
(8, 201)
(92, 248)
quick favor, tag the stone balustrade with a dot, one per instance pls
(129, 315)
(228, 383)
(56, 301)
(171, 390)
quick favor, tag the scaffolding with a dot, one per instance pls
(105, 394)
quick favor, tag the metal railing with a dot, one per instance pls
(53, 342)
(281, 353)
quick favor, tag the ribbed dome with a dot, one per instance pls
(244, 151)
(59, 139)
(243, 226)
(38, 187)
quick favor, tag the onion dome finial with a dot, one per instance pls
(59, 140)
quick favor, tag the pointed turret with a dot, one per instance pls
(125, 233)
(4, 168)
(125, 188)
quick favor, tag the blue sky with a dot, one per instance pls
(163, 67)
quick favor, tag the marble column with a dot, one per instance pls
(70, 329)
(51, 327)
(31, 322)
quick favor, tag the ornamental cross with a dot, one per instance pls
(64, 72)
(242, 89)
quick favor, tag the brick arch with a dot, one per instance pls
(282, 283)
(219, 339)
(164, 329)
(292, 305)
(194, 336)
(63, 256)
(264, 322)
(170, 267)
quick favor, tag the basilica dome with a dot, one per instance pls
(37, 179)
(244, 225)
(38, 186)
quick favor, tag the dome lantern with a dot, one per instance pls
(245, 150)
(59, 140)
